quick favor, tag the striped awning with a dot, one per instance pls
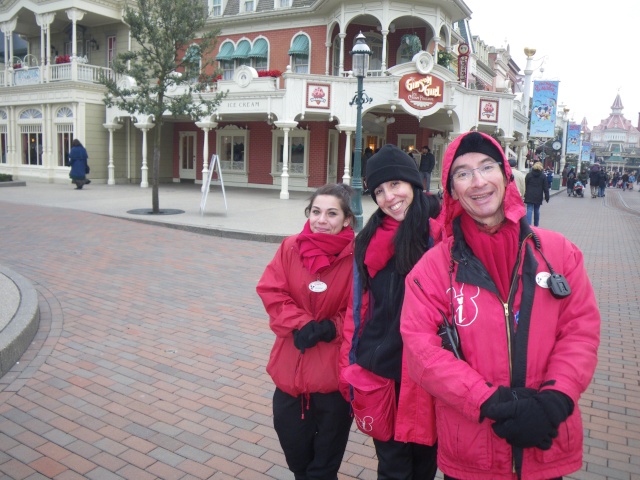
(300, 46)
(226, 52)
(242, 50)
(260, 49)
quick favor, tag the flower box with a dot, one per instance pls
(269, 73)
(63, 59)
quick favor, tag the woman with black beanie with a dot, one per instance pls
(391, 243)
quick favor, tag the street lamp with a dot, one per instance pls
(359, 66)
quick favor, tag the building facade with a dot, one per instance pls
(616, 141)
(287, 121)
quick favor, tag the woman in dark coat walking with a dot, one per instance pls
(536, 187)
(78, 158)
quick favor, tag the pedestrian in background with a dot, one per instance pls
(508, 407)
(305, 290)
(603, 179)
(393, 240)
(78, 159)
(518, 177)
(594, 179)
(427, 162)
(537, 188)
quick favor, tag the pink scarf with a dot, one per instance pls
(319, 250)
(496, 248)
(381, 247)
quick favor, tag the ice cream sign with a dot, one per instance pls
(421, 91)
(318, 95)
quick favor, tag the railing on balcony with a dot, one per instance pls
(61, 72)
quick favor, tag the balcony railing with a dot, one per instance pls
(62, 72)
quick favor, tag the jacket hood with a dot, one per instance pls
(512, 203)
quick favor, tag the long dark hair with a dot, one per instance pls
(411, 240)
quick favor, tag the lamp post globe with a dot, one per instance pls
(359, 66)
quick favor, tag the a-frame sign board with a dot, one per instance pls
(214, 164)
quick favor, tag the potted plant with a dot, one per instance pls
(444, 58)
(63, 59)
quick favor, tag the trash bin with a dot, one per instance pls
(555, 183)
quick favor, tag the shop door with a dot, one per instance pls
(188, 155)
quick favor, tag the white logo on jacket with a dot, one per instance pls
(465, 317)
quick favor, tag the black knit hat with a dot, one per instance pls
(391, 163)
(476, 143)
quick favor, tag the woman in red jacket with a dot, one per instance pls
(392, 241)
(305, 290)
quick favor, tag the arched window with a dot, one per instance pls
(259, 54)
(336, 56)
(374, 41)
(225, 57)
(30, 122)
(299, 53)
(4, 120)
(64, 134)
(241, 54)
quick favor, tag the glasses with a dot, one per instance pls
(464, 176)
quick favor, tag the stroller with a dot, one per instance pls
(578, 189)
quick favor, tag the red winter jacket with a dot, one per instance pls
(554, 347)
(284, 290)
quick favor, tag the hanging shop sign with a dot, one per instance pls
(463, 63)
(421, 91)
(318, 95)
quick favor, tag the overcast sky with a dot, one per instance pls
(590, 47)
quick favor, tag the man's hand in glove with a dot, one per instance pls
(531, 422)
(312, 333)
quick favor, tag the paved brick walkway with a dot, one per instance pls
(149, 362)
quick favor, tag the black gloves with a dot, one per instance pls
(503, 395)
(529, 422)
(312, 333)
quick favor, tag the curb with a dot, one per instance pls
(13, 183)
(23, 326)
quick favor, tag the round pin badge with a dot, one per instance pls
(542, 279)
(317, 286)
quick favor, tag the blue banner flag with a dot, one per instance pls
(586, 152)
(573, 139)
(543, 109)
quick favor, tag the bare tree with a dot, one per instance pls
(172, 66)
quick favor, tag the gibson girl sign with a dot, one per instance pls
(421, 91)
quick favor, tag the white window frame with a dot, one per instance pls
(248, 6)
(282, 4)
(294, 167)
(30, 124)
(3, 143)
(300, 64)
(112, 43)
(335, 64)
(261, 63)
(406, 141)
(227, 162)
(4, 130)
(216, 8)
(64, 134)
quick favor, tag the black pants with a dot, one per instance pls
(313, 446)
(405, 461)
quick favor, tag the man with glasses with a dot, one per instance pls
(527, 325)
